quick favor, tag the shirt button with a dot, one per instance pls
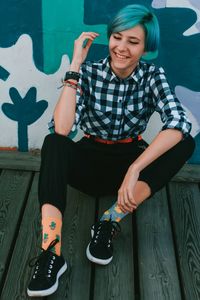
(120, 100)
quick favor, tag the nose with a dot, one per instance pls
(121, 46)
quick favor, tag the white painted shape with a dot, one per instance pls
(194, 29)
(18, 60)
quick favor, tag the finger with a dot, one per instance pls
(88, 35)
(132, 200)
(126, 200)
(120, 202)
(87, 43)
(125, 203)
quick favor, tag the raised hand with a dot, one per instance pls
(82, 45)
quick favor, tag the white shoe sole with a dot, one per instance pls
(51, 290)
(97, 260)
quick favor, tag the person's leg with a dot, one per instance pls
(51, 227)
(58, 155)
(100, 248)
(151, 179)
(52, 188)
(50, 264)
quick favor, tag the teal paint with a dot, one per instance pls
(24, 111)
(4, 74)
(62, 24)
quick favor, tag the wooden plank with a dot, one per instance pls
(188, 173)
(26, 247)
(13, 189)
(79, 217)
(157, 264)
(116, 280)
(185, 206)
(15, 160)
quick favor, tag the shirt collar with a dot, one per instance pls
(109, 75)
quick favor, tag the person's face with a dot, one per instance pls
(126, 48)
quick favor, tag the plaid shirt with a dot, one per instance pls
(114, 108)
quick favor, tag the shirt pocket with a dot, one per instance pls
(100, 113)
(135, 116)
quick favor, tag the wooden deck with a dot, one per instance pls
(156, 257)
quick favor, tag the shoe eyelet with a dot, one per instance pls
(34, 276)
(49, 276)
(50, 266)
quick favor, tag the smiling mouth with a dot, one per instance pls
(120, 56)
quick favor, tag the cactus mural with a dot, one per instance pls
(24, 111)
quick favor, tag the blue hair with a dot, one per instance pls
(133, 15)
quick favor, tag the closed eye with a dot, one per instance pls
(116, 37)
(133, 42)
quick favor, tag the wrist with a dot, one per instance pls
(75, 66)
(72, 75)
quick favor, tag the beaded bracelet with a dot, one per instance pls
(73, 85)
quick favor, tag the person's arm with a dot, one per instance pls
(176, 127)
(64, 113)
(165, 140)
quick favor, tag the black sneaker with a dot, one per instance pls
(48, 268)
(100, 249)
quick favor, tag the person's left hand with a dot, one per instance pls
(126, 200)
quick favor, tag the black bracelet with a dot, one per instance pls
(72, 75)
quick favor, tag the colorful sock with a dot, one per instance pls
(114, 213)
(51, 230)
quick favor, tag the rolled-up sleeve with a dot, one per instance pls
(167, 105)
(80, 95)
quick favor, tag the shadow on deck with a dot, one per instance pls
(156, 257)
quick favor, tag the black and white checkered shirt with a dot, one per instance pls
(113, 108)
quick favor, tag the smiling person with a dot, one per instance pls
(112, 101)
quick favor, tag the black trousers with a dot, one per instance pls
(98, 169)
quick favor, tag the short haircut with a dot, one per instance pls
(133, 15)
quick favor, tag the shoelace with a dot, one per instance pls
(105, 232)
(39, 259)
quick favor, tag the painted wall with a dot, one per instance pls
(36, 43)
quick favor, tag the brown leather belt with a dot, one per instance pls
(109, 142)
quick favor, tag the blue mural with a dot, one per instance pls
(177, 52)
(25, 111)
(52, 27)
(19, 17)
